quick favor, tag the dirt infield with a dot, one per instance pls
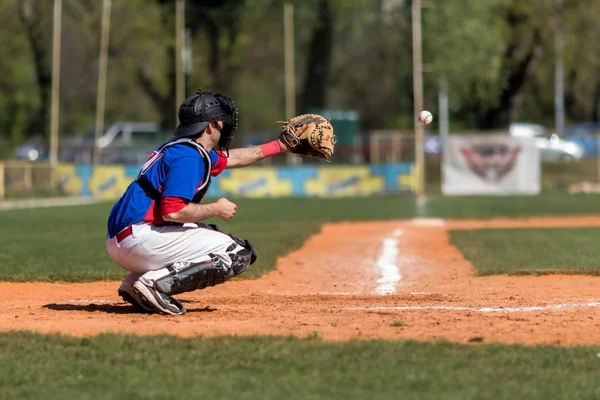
(352, 281)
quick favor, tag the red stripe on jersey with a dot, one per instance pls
(170, 205)
(153, 215)
(220, 165)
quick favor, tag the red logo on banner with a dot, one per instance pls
(491, 161)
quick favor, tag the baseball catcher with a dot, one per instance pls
(156, 229)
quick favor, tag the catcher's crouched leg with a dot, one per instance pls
(157, 287)
(189, 276)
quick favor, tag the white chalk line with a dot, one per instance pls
(361, 293)
(481, 309)
(390, 273)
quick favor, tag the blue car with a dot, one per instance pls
(586, 135)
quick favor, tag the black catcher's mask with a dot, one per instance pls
(202, 108)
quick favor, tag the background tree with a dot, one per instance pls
(497, 55)
(35, 18)
(318, 59)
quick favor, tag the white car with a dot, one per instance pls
(122, 142)
(552, 147)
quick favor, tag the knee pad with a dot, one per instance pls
(242, 254)
(239, 241)
(187, 277)
(246, 245)
(240, 261)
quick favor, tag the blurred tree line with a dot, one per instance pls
(497, 56)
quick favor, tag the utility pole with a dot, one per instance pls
(559, 74)
(102, 73)
(444, 117)
(290, 87)
(55, 107)
(179, 54)
(290, 74)
(418, 95)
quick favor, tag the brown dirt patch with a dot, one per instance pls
(328, 288)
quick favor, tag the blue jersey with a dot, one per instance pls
(176, 169)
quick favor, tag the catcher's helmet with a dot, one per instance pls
(198, 110)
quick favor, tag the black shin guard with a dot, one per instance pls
(192, 276)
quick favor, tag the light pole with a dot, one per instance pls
(559, 74)
(102, 73)
(290, 74)
(418, 95)
(55, 107)
(444, 116)
(179, 54)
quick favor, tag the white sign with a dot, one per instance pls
(490, 165)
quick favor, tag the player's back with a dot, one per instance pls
(135, 205)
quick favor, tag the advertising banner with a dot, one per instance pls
(490, 165)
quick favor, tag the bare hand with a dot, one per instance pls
(225, 209)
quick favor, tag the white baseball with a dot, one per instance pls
(425, 117)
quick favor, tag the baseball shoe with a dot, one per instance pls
(127, 292)
(161, 302)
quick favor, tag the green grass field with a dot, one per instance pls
(67, 244)
(126, 367)
(530, 251)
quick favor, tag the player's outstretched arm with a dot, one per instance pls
(244, 156)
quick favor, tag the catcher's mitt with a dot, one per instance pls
(316, 141)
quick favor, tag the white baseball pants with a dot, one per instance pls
(151, 248)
